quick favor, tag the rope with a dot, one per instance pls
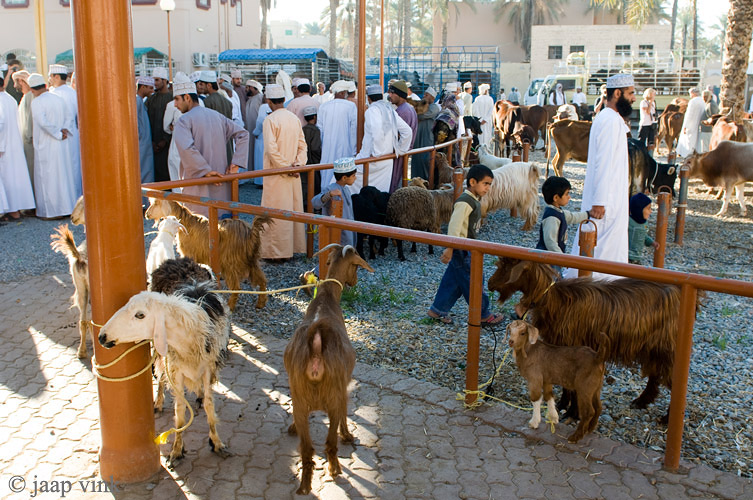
(162, 437)
(314, 229)
(281, 290)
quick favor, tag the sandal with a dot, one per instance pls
(492, 319)
(447, 320)
(9, 218)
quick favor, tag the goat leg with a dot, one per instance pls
(233, 282)
(648, 395)
(400, 254)
(215, 443)
(259, 279)
(571, 411)
(335, 421)
(177, 452)
(301, 424)
(413, 247)
(586, 414)
(82, 296)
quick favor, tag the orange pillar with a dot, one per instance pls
(110, 164)
(361, 75)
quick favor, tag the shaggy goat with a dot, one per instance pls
(161, 247)
(576, 368)
(191, 330)
(319, 360)
(64, 243)
(239, 245)
(638, 317)
(515, 186)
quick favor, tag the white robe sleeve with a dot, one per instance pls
(369, 125)
(353, 123)
(3, 125)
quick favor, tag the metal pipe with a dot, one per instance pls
(105, 74)
(335, 234)
(457, 181)
(586, 243)
(662, 221)
(365, 174)
(40, 32)
(526, 149)
(682, 204)
(324, 240)
(432, 160)
(474, 326)
(310, 181)
(234, 194)
(516, 155)
(361, 78)
(405, 169)
(680, 370)
(169, 49)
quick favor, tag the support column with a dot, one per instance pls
(111, 178)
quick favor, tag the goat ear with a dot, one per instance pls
(160, 333)
(357, 260)
(518, 270)
(533, 334)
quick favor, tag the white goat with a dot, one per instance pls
(162, 247)
(515, 186)
(491, 161)
(191, 329)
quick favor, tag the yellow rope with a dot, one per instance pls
(162, 437)
(281, 290)
(314, 229)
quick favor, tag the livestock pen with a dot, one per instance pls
(329, 228)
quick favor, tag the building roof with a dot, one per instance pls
(270, 55)
(138, 52)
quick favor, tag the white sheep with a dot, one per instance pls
(515, 186)
(191, 330)
(162, 247)
(491, 161)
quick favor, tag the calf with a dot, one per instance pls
(646, 173)
(670, 126)
(506, 115)
(729, 165)
(571, 139)
(724, 129)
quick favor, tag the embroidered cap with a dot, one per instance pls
(159, 73)
(620, 81)
(182, 85)
(57, 69)
(345, 165)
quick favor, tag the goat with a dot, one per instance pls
(370, 205)
(319, 360)
(576, 368)
(638, 317)
(161, 247)
(239, 245)
(191, 329)
(515, 186)
(64, 243)
(488, 159)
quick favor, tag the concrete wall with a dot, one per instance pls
(514, 75)
(191, 29)
(289, 35)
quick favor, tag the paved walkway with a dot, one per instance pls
(413, 439)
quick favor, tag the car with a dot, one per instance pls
(531, 94)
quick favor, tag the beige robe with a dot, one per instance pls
(284, 146)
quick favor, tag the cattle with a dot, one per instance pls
(506, 115)
(473, 128)
(729, 165)
(724, 129)
(566, 112)
(524, 134)
(670, 126)
(646, 173)
(571, 139)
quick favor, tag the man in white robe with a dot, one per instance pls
(254, 100)
(483, 107)
(690, 137)
(20, 80)
(227, 91)
(605, 189)
(557, 96)
(201, 135)
(58, 86)
(454, 88)
(54, 178)
(14, 174)
(337, 122)
(467, 97)
(322, 94)
(384, 132)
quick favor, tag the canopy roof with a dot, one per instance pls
(138, 53)
(271, 55)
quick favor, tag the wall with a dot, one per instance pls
(191, 29)
(296, 40)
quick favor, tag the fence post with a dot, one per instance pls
(405, 170)
(449, 154)
(432, 159)
(309, 209)
(324, 240)
(474, 326)
(337, 211)
(682, 204)
(662, 220)
(365, 174)
(234, 195)
(467, 155)
(214, 243)
(526, 149)
(671, 156)
(516, 155)
(680, 369)
(457, 181)
(586, 242)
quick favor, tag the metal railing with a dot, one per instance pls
(329, 227)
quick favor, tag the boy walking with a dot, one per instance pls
(553, 229)
(464, 223)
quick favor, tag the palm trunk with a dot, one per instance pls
(736, 49)
(674, 25)
(695, 33)
(263, 36)
(406, 23)
(333, 27)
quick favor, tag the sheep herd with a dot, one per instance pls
(188, 320)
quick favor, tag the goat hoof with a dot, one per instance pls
(291, 430)
(639, 404)
(175, 459)
(223, 452)
(82, 354)
(664, 419)
(574, 438)
(347, 437)
(303, 490)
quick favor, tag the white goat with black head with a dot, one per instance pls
(191, 330)
(163, 246)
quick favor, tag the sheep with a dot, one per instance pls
(64, 243)
(239, 245)
(320, 359)
(370, 205)
(412, 207)
(191, 329)
(161, 247)
(639, 317)
(515, 186)
(170, 276)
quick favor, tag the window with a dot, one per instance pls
(645, 50)
(15, 4)
(204, 4)
(238, 13)
(622, 50)
(577, 48)
(288, 32)
(555, 52)
(567, 83)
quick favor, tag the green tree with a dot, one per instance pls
(523, 14)
(313, 29)
(441, 8)
(633, 12)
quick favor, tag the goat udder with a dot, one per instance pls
(315, 369)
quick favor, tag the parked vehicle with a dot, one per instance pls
(531, 95)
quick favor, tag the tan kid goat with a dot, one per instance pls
(319, 360)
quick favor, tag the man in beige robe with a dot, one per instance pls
(284, 146)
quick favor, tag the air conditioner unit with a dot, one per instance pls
(200, 59)
(214, 60)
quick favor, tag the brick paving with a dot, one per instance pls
(413, 439)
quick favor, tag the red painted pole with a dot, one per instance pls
(457, 181)
(310, 209)
(474, 325)
(586, 242)
(432, 159)
(337, 211)
(324, 240)
(682, 204)
(662, 221)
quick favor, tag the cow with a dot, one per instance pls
(729, 165)
(473, 128)
(670, 126)
(506, 115)
(646, 173)
(724, 129)
(571, 139)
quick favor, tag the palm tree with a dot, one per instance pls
(633, 12)
(313, 29)
(736, 51)
(720, 28)
(441, 8)
(265, 6)
(674, 25)
(523, 14)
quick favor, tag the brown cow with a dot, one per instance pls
(670, 126)
(724, 129)
(729, 166)
(506, 115)
(571, 139)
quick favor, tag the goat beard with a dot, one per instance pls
(624, 107)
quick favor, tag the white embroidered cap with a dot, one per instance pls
(57, 69)
(620, 81)
(160, 73)
(274, 91)
(183, 85)
(345, 165)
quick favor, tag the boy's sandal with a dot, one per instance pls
(492, 319)
(444, 319)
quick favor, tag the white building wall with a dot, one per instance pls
(289, 35)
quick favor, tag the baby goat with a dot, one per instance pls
(577, 368)
(319, 360)
(161, 247)
(191, 329)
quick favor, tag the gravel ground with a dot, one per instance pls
(386, 318)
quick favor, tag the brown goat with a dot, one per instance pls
(638, 317)
(239, 245)
(319, 360)
(580, 369)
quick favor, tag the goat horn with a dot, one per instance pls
(321, 250)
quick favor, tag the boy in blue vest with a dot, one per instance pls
(464, 223)
(554, 221)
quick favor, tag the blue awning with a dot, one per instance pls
(271, 55)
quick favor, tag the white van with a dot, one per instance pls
(531, 94)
